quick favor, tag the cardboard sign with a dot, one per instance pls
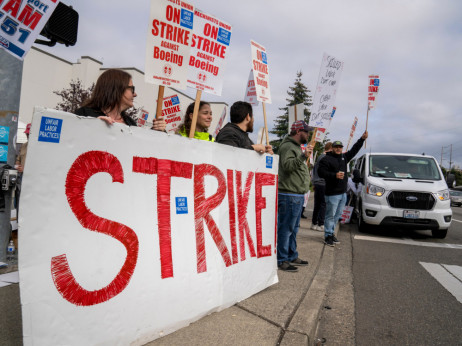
(299, 109)
(220, 122)
(352, 131)
(132, 233)
(346, 214)
(168, 43)
(251, 91)
(21, 22)
(326, 91)
(260, 69)
(171, 111)
(210, 46)
(373, 90)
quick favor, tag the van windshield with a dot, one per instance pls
(403, 167)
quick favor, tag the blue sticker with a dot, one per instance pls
(187, 18)
(264, 58)
(224, 36)
(181, 205)
(269, 162)
(4, 134)
(50, 130)
(376, 82)
(6, 44)
(3, 153)
(175, 100)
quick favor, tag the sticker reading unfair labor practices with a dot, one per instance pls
(260, 72)
(50, 130)
(181, 205)
(326, 91)
(21, 22)
(210, 46)
(168, 43)
(269, 162)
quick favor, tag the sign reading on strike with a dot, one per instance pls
(168, 43)
(210, 45)
(251, 91)
(131, 234)
(326, 91)
(352, 131)
(220, 122)
(260, 72)
(373, 90)
(21, 22)
(171, 111)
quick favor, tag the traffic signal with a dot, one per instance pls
(62, 26)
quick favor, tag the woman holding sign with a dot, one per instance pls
(204, 119)
(113, 94)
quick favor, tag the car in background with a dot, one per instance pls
(456, 197)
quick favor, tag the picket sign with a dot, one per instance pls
(346, 214)
(128, 234)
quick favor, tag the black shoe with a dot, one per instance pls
(329, 241)
(304, 217)
(299, 262)
(285, 266)
(335, 240)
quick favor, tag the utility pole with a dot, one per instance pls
(10, 92)
(450, 159)
(441, 161)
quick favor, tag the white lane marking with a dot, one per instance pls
(408, 242)
(456, 220)
(445, 278)
(454, 270)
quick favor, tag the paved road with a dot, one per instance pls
(407, 288)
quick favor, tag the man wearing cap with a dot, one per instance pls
(332, 168)
(294, 182)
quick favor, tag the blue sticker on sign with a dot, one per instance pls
(181, 205)
(187, 18)
(264, 58)
(4, 134)
(376, 82)
(3, 153)
(269, 162)
(175, 100)
(50, 130)
(224, 36)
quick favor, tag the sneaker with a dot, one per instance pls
(329, 241)
(321, 228)
(299, 262)
(335, 240)
(314, 227)
(285, 266)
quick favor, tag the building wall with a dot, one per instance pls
(44, 73)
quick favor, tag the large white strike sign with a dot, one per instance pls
(128, 234)
(168, 43)
(326, 91)
(251, 92)
(260, 69)
(210, 45)
(373, 90)
(21, 22)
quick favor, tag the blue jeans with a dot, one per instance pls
(289, 212)
(334, 209)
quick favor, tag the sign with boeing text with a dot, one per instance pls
(260, 72)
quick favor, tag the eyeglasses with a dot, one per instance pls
(132, 88)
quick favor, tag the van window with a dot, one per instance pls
(403, 167)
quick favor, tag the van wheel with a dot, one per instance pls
(439, 233)
(362, 226)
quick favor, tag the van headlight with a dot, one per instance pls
(375, 190)
(443, 195)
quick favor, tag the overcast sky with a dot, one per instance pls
(414, 45)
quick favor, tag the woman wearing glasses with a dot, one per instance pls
(113, 94)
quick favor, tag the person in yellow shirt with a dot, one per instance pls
(204, 119)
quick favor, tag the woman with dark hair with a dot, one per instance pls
(204, 119)
(113, 94)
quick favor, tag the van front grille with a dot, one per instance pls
(411, 200)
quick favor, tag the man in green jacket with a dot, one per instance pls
(294, 182)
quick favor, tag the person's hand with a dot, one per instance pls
(259, 148)
(159, 124)
(107, 120)
(340, 175)
(308, 150)
(365, 135)
(20, 168)
(269, 149)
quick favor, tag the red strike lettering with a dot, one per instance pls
(170, 32)
(242, 202)
(208, 46)
(83, 168)
(261, 179)
(260, 67)
(211, 31)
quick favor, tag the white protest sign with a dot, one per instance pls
(21, 22)
(321, 132)
(251, 91)
(352, 131)
(171, 111)
(128, 234)
(210, 43)
(296, 113)
(346, 214)
(260, 72)
(220, 122)
(326, 90)
(142, 118)
(168, 43)
(373, 90)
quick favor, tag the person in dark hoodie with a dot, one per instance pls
(333, 168)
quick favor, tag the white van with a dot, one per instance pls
(403, 191)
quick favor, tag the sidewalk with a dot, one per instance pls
(283, 314)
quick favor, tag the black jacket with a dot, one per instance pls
(231, 134)
(331, 164)
(95, 113)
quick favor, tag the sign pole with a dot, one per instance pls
(266, 126)
(196, 111)
(160, 99)
(312, 143)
